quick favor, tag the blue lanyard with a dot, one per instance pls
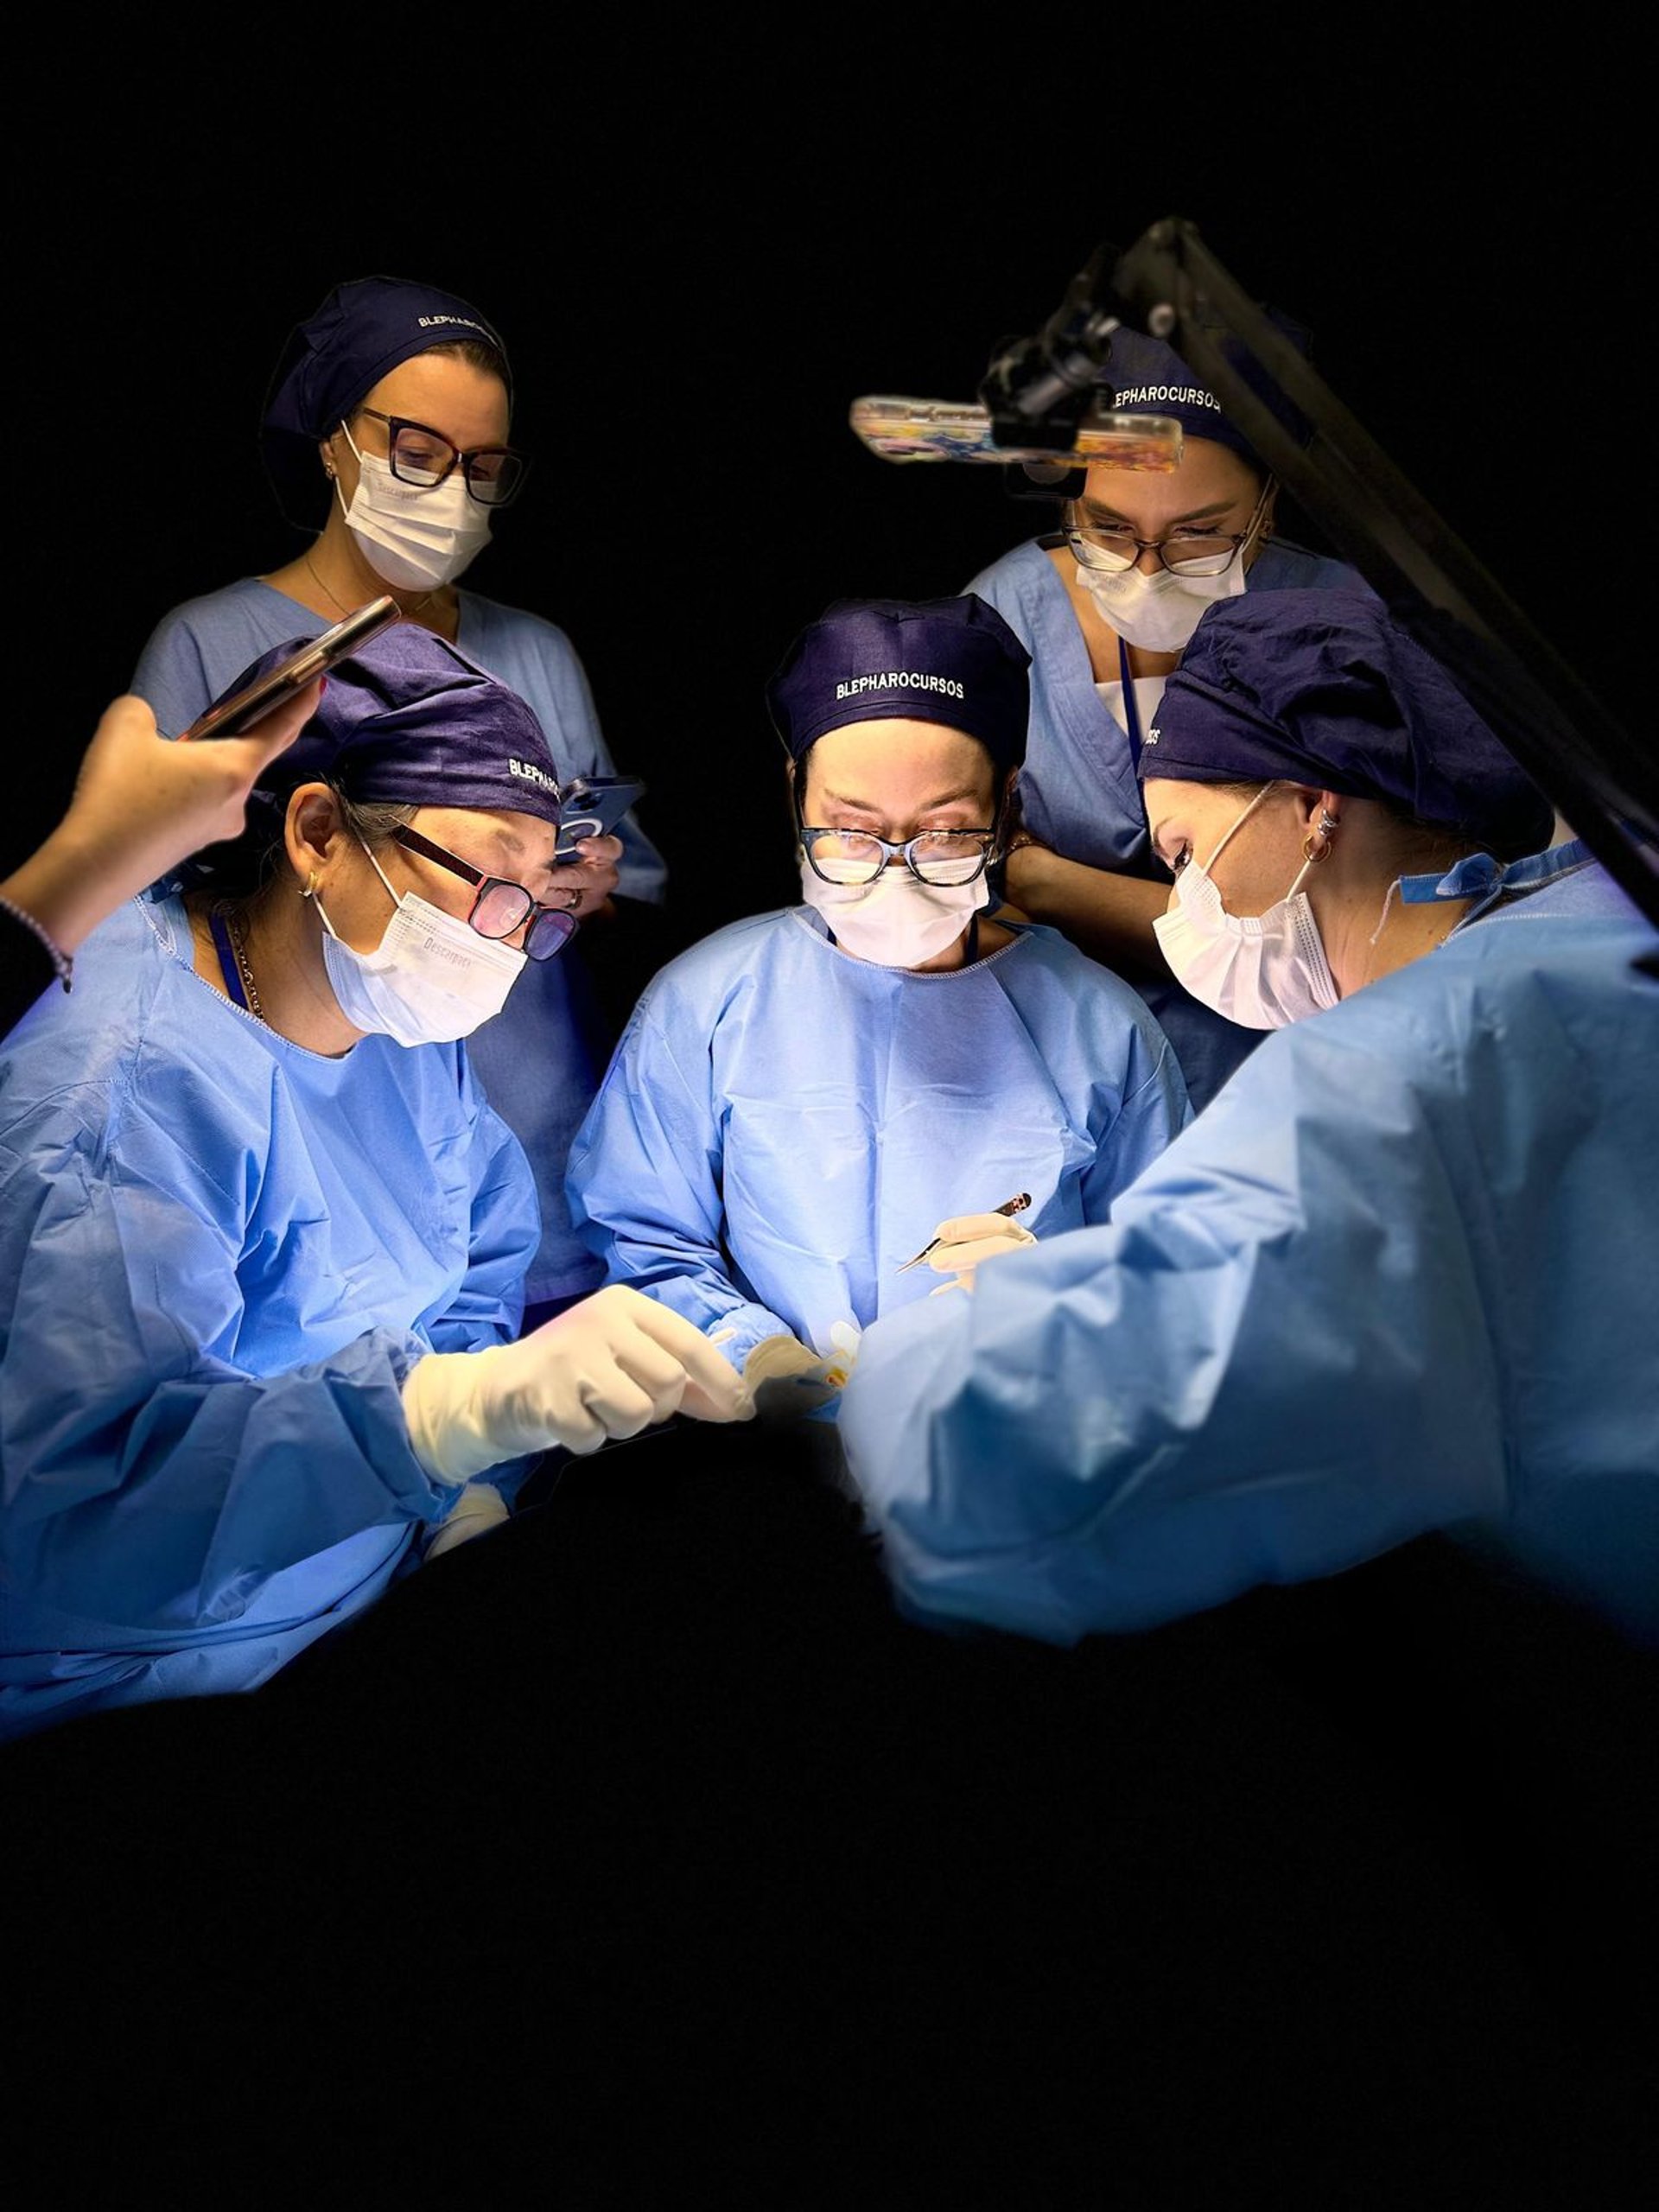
(1131, 707)
(228, 968)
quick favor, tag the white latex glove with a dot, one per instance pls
(480, 1508)
(967, 1241)
(783, 1376)
(845, 1337)
(608, 1366)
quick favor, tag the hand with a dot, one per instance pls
(784, 1378)
(1023, 866)
(584, 886)
(480, 1508)
(606, 1367)
(141, 803)
(967, 1241)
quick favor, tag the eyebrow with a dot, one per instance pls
(509, 843)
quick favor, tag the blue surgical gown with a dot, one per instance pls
(782, 1124)
(1079, 791)
(1401, 1274)
(220, 1254)
(538, 1060)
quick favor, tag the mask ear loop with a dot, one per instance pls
(1239, 824)
(311, 890)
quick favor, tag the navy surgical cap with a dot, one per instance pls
(362, 332)
(1322, 687)
(407, 719)
(1150, 379)
(954, 661)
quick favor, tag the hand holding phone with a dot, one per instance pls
(230, 717)
(591, 806)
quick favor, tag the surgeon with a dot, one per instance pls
(808, 1101)
(1107, 603)
(262, 1242)
(1400, 1274)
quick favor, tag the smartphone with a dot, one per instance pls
(591, 806)
(940, 430)
(231, 717)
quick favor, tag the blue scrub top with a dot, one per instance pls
(220, 1254)
(782, 1124)
(538, 1060)
(1079, 792)
(1400, 1276)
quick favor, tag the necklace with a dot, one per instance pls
(413, 608)
(244, 967)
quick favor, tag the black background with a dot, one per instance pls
(696, 275)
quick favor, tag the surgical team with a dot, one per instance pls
(1188, 1135)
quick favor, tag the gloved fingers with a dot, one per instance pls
(698, 1405)
(633, 1393)
(952, 1259)
(956, 1282)
(480, 1507)
(717, 1382)
(779, 1356)
(963, 1227)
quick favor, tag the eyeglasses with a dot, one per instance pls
(938, 856)
(501, 906)
(1114, 547)
(494, 475)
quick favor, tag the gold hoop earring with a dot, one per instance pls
(311, 889)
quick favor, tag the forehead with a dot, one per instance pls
(505, 843)
(1174, 803)
(1207, 472)
(894, 760)
(441, 391)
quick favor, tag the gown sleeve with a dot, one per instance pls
(644, 1183)
(1275, 1362)
(153, 1476)
(1155, 1109)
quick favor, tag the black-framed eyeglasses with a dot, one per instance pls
(1114, 547)
(501, 906)
(495, 475)
(937, 856)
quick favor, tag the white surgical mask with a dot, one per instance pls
(1159, 612)
(897, 921)
(1260, 970)
(413, 539)
(431, 978)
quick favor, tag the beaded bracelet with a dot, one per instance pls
(61, 961)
